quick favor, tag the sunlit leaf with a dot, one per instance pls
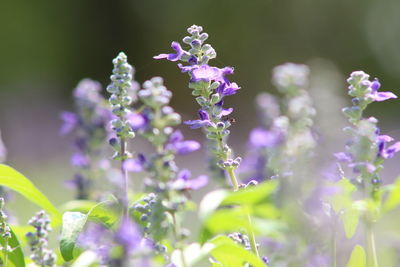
(393, 199)
(230, 254)
(16, 181)
(16, 257)
(357, 258)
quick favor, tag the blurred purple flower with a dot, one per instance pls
(183, 181)
(172, 57)
(80, 160)
(343, 157)
(137, 121)
(263, 138)
(70, 121)
(128, 235)
(203, 122)
(133, 165)
(180, 146)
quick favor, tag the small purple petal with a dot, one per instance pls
(384, 138)
(375, 85)
(382, 96)
(203, 115)
(226, 112)
(205, 73)
(344, 157)
(172, 57)
(70, 121)
(176, 136)
(133, 165)
(392, 150)
(264, 138)
(136, 121)
(80, 160)
(198, 182)
(184, 174)
(186, 68)
(195, 124)
(186, 147)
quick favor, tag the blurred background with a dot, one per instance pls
(47, 47)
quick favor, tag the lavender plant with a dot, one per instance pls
(280, 201)
(365, 154)
(90, 124)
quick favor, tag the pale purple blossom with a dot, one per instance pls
(179, 52)
(70, 121)
(184, 181)
(128, 235)
(180, 146)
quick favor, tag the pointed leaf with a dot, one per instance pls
(15, 257)
(16, 181)
(357, 258)
(73, 223)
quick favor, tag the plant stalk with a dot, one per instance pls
(372, 259)
(124, 173)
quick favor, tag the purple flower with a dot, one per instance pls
(391, 151)
(70, 121)
(172, 57)
(263, 138)
(128, 235)
(343, 157)
(203, 122)
(183, 181)
(180, 146)
(357, 166)
(226, 89)
(133, 165)
(80, 160)
(205, 73)
(137, 121)
(379, 96)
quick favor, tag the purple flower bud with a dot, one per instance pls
(133, 165)
(203, 115)
(137, 121)
(375, 85)
(80, 160)
(128, 235)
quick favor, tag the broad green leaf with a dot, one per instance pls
(16, 181)
(86, 259)
(230, 254)
(350, 219)
(251, 194)
(16, 257)
(393, 200)
(227, 220)
(357, 258)
(100, 213)
(73, 223)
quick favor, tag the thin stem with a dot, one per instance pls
(5, 251)
(252, 236)
(250, 231)
(176, 230)
(233, 179)
(372, 259)
(125, 178)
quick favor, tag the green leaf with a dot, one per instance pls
(350, 219)
(74, 222)
(86, 259)
(211, 202)
(16, 257)
(230, 254)
(357, 258)
(16, 181)
(192, 253)
(343, 199)
(393, 200)
(251, 194)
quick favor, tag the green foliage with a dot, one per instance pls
(15, 257)
(393, 199)
(74, 222)
(230, 254)
(16, 181)
(357, 258)
(86, 259)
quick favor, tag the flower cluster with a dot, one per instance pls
(90, 125)
(5, 231)
(38, 240)
(210, 87)
(367, 148)
(121, 88)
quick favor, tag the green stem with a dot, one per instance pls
(176, 230)
(250, 231)
(372, 259)
(333, 246)
(5, 251)
(125, 178)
